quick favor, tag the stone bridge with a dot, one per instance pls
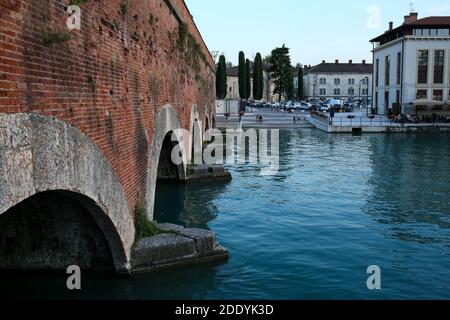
(86, 124)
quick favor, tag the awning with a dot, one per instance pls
(426, 102)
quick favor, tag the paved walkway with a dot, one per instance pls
(271, 120)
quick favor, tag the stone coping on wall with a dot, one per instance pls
(204, 173)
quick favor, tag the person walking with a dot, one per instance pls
(434, 119)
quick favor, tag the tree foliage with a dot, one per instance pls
(248, 86)
(282, 74)
(242, 76)
(300, 90)
(258, 78)
(221, 79)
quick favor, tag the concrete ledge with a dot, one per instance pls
(161, 249)
(177, 246)
(205, 172)
(205, 240)
(391, 128)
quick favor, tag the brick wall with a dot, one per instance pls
(111, 78)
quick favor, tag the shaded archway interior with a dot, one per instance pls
(51, 231)
(168, 172)
(167, 169)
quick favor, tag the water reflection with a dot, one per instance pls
(339, 204)
(190, 205)
(409, 186)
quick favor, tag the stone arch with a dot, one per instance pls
(167, 126)
(52, 230)
(41, 154)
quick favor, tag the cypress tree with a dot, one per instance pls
(221, 79)
(248, 86)
(241, 75)
(301, 94)
(258, 78)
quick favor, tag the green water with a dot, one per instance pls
(338, 205)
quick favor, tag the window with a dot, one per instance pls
(377, 76)
(386, 99)
(430, 32)
(376, 100)
(399, 67)
(351, 82)
(337, 81)
(365, 92)
(323, 81)
(351, 92)
(323, 92)
(439, 66)
(387, 70)
(421, 94)
(398, 97)
(337, 92)
(437, 95)
(423, 67)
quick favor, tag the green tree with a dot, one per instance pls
(300, 90)
(242, 76)
(290, 84)
(281, 68)
(258, 78)
(221, 79)
(248, 85)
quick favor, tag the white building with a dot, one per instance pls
(411, 67)
(337, 80)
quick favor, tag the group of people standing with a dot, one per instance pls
(259, 118)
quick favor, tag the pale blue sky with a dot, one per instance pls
(315, 30)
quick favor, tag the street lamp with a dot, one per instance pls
(314, 90)
(367, 95)
(359, 92)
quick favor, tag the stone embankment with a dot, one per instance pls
(176, 246)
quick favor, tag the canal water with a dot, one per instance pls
(339, 204)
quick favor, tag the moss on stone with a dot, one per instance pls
(144, 228)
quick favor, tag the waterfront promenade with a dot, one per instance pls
(354, 122)
(359, 122)
(270, 120)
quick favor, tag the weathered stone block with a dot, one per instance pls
(162, 249)
(205, 172)
(169, 227)
(205, 241)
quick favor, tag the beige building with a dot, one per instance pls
(338, 80)
(233, 85)
(412, 67)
